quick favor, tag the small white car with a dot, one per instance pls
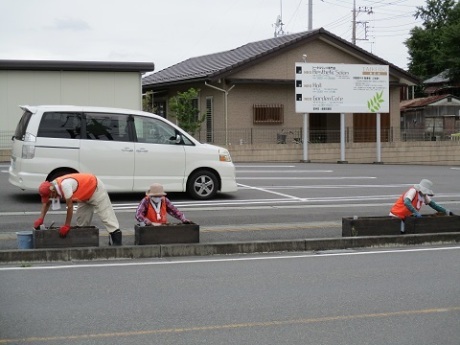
(127, 149)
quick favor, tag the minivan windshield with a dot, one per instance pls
(20, 131)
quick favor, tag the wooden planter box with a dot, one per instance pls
(168, 233)
(381, 226)
(433, 223)
(371, 226)
(77, 237)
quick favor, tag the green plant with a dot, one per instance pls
(455, 136)
(184, 107)
(147, 102)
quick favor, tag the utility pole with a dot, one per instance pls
(310, 15)
(355, 13)
(279, 22)
(353, 34)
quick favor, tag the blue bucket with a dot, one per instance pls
(25, 239)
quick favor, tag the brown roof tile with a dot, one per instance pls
(421, 102)
(214, 65)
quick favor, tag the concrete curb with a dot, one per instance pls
(204, 249)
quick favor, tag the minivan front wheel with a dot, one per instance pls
(202, 185)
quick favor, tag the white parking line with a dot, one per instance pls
(344, 186)
(269, 191)
(308, 178)
(283, 171)
(288, 201)
(263, 166)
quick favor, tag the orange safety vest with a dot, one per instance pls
(152, 215)
(400, 210)
(87, 184)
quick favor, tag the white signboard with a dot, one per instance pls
(341, 88)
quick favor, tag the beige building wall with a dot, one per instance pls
(109, 89)
(248, 89)
(282, 66)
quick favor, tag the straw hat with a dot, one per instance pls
(156, 189)
(424, 187)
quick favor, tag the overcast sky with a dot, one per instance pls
(169, 31)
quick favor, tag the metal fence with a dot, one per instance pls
(5, 139)
(422, 135)
(251, 136)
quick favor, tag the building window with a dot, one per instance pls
(159, 108)
(209, 112)
(196, 106)
(268, 114)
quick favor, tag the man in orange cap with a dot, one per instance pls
(90, 194)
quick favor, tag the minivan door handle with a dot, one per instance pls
(142, 150)
(127, 149)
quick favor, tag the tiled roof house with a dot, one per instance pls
(441, 84)
(251, 88)
(436, 115)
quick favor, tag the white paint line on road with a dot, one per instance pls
(263, 166)
(343, 186)
(271, 192)
(283, 171)
(282, 204)
(227, 260)
(308, 178)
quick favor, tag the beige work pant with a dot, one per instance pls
(101, 204)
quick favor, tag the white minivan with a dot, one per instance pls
(127, 149)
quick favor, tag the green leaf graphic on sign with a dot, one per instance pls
(375, 102)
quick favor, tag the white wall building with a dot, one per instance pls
(89, 83)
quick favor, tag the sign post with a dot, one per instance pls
(344, 89)
(305, 139)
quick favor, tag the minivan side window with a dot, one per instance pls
(102, 126)
(154, 131)
(60, 125)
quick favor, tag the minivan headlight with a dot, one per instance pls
(224, 156)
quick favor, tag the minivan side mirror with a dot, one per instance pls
(176, 140)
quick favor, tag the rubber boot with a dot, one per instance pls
(115, 237)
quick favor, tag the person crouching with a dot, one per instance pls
(155, 207)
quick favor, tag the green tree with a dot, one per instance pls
(185, 110)
(451, 39)
(434, 47)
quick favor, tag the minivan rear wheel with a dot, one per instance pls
(58, 173)
(202, 185)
